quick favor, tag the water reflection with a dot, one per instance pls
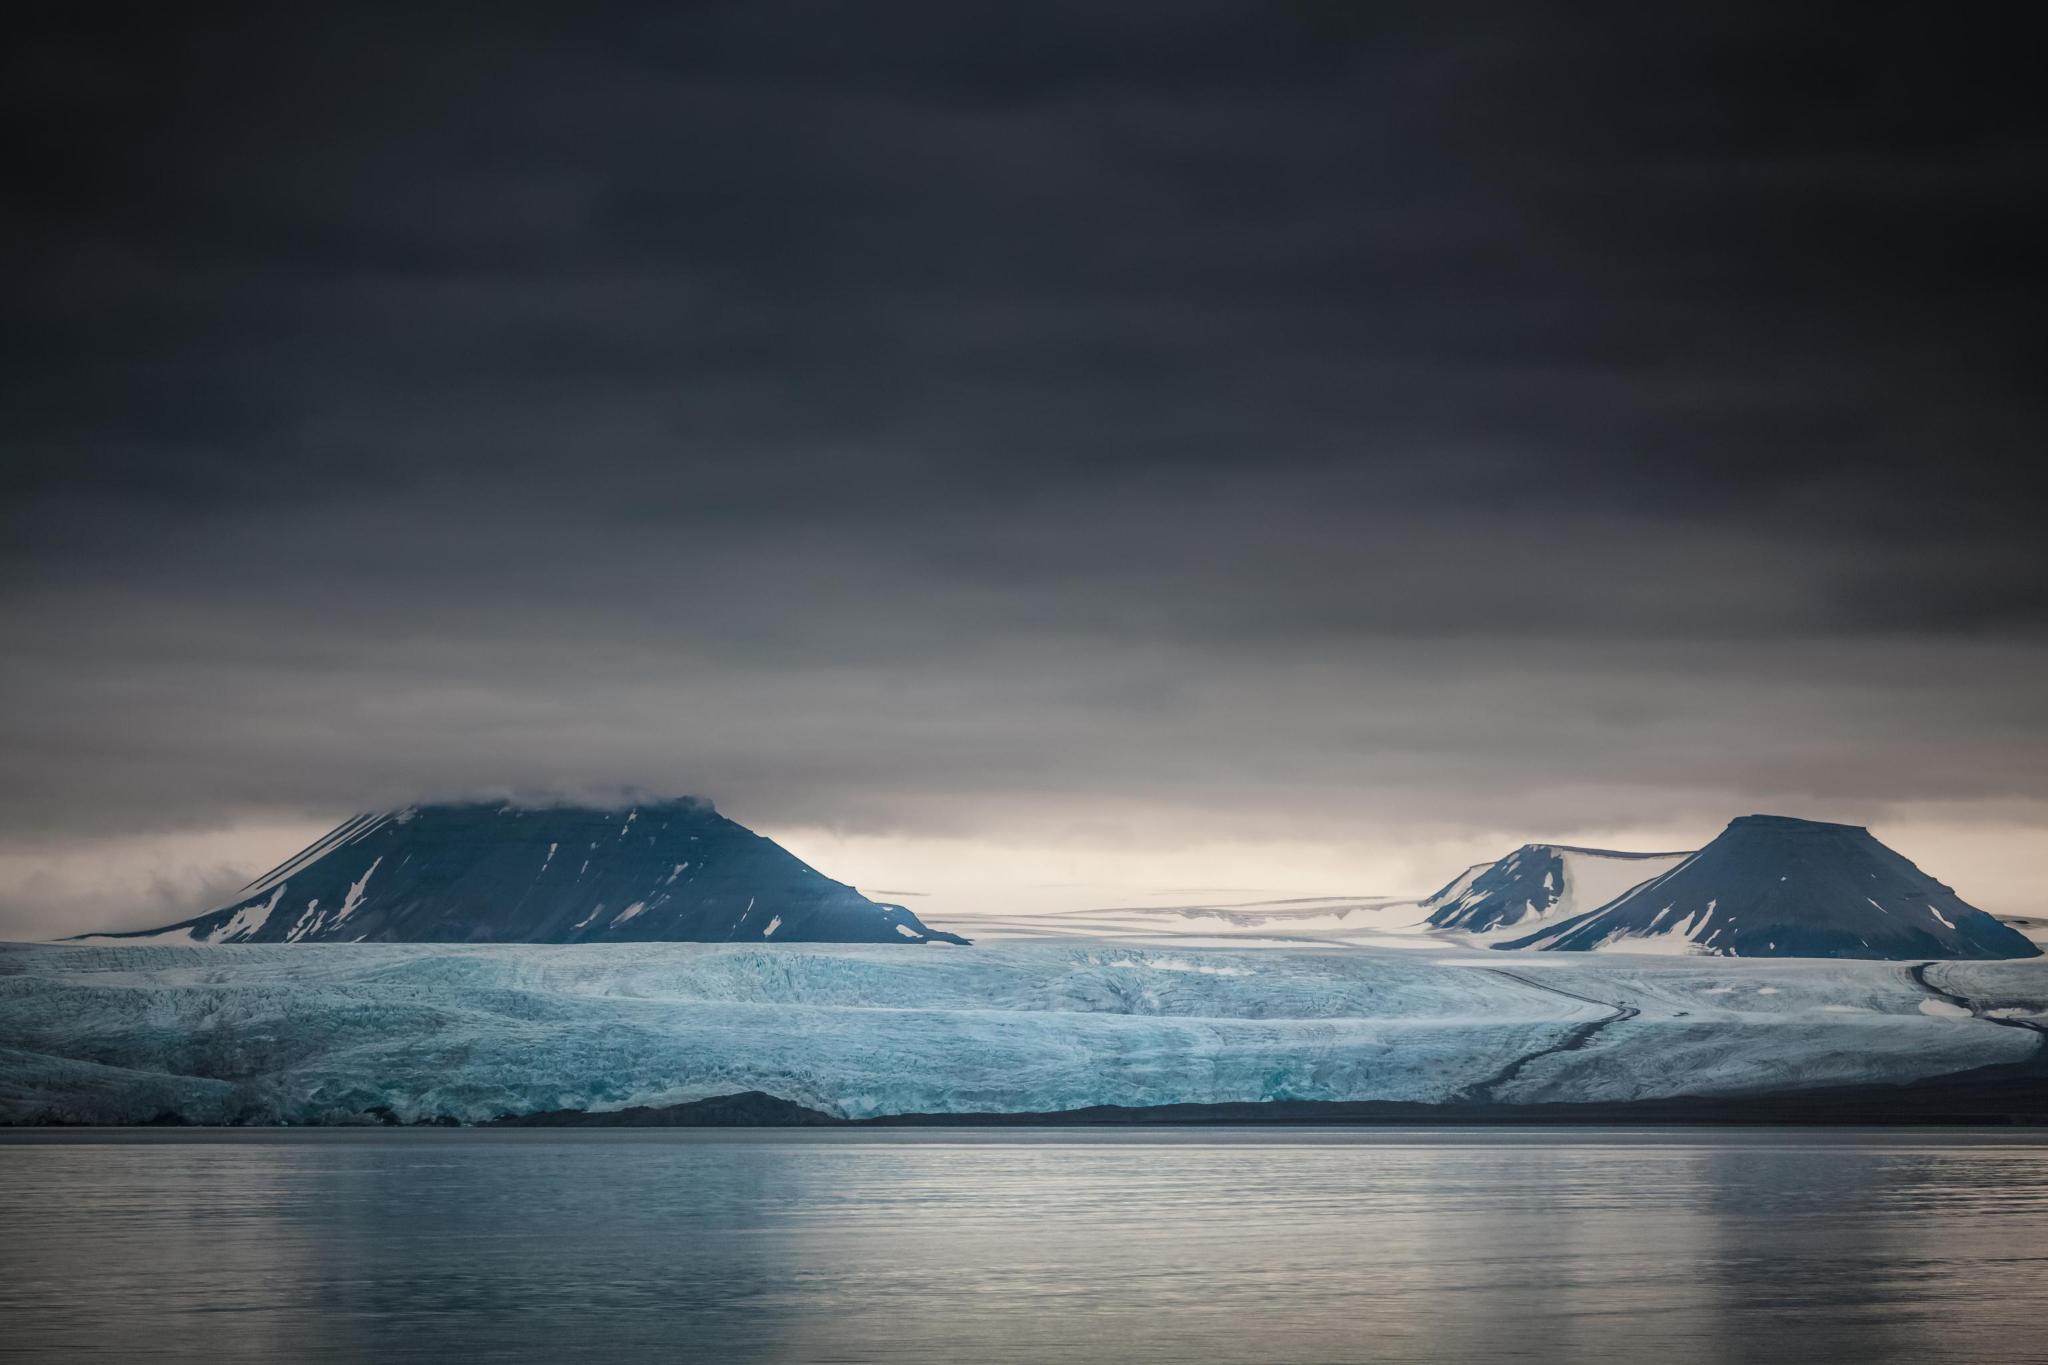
(1047, 1247)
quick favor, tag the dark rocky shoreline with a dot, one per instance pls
(1969, 1099)
(1989, 1096)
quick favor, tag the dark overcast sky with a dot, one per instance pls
(1338, 418)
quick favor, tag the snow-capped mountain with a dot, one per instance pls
(1772, 886)
(493, 873)
(1541, 881)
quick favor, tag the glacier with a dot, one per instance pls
(346, 1033)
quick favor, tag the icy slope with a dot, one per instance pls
(1771, 886)
(497, 873)
(1541, 881)
(1383, 921)
(332, 1033)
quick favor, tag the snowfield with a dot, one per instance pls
(325, 1033)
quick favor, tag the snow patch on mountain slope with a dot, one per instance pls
(1680, 940)
(249, 918)
(1594, 879)
(355, 891)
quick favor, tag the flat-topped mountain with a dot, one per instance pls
(1541, 881)
(672, 871)
(1772, 886)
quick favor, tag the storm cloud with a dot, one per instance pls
(1325, 421)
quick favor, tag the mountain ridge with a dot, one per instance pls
(492, 872)
(1779, 886)
(1539, 881)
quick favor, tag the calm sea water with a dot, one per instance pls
(1034, 1246)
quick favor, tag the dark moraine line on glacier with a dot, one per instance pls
(1482, 1092)
(2036, 1063)
(1998, 1095)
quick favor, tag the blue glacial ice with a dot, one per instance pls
(329, 1033)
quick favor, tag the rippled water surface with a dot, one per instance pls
(1184, 1245)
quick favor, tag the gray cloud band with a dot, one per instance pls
(918, 425)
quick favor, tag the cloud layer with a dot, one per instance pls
(1313, 421)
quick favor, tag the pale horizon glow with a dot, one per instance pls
(129, 882)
